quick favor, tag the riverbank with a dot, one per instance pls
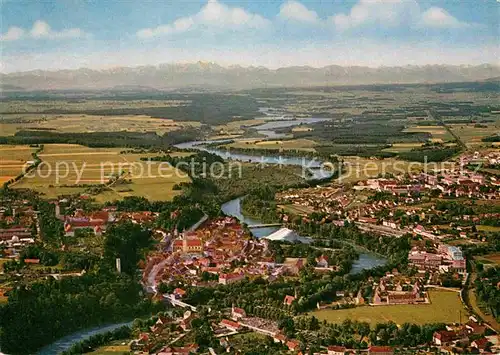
(66, 342)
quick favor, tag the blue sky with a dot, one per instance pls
(57, 34)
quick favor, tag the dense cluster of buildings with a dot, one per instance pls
(328, 199)
(447, 258)
(391, 291)
(470, 338)
(18, 226)
(96, 222)
(220, 251)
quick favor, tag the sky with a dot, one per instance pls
(102, 34)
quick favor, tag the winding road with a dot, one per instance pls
(471, 301)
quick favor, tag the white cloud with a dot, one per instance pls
(12, 34)
(440, 18)
(296, 11)
(388, 13)
(41, 30)
(213, 15)
(391, 13)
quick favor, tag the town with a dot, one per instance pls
(282, 177)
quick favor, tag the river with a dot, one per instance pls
(366, 260)
(267, 129)
(66, 342)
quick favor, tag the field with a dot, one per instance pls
(492, 229)
(294, 144)
(472, 135)
(445, 307)
(41, 106)
(112, 349)
(402, 147)
(439, 133)
(296, 209)
(82, 123)
(237, 127)
(12, 160)
(490, 258)
(67, 169)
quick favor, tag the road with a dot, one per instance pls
(471, 301)
(440, 120)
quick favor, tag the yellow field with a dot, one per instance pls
(296, 209)
(302, 129)
(438, 133)
(236, 127)
(224, 136)
(13, 159)
(294, 144)
(112, 349)
(488, 228)
(445, 307)
(77, 123)
(402, 147)
(65, 168)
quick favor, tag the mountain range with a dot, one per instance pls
(213, 76)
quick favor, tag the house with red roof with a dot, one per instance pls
(336, 350)
(231, 325)
(237, 313)
(73, 224)
(475, 328)
(380, 350)
(481, 344)
(32, 261)
(179, 293)
(188, 244)
(443, 337)
(279, 338)
(367, 220)
(293, 344)
(288, 300)
(322, 261)
(226, 279)
(189, 349)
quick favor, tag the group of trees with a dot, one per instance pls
(40, 313)
(355, 334)
(208, 108)
(487, 289)
(90, 344)
(430, 154)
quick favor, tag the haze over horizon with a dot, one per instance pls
(63, 34)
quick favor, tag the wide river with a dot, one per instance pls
(267, 129)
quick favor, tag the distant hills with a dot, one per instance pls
(203, 75)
